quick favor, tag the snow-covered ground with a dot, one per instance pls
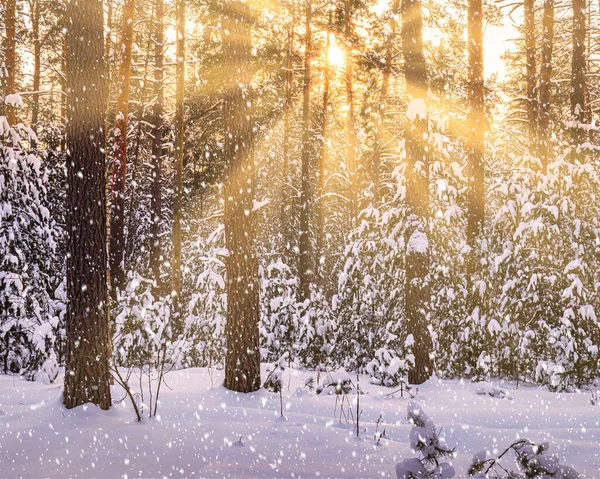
(198, 431)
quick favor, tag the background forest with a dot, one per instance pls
(398, 211)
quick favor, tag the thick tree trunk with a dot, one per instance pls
(242, 363)
(476, 134)
(10, 57)
(545, 88)
(119, 173)
(416, 285)
(87, 375)
(179, 142)
(306, 269)
(350, 127)
(578, 71)
(380, 120)
(530, 70)
(157, 145)
(37, 49)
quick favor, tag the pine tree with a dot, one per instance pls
(87, 377)
(242, 364)
(545, 88)
(578, 70)
(416, 283)
(306, 269)
(10, 57)
(119, 172)
(531, 69)
(157, 145)
(476, 133)
(179, 144)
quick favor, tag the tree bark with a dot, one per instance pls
(476, 134)
(306, 269)
(63, 90)
(10, 57)
(87, 377)
(179, 143)
(286, 193)
(37, 49)
(417, 194)
(545, 88)
(320, 210)
(578, 70)
(531, 70)
(242, 363)
(380, 120)
(119, 173)
(350, 127)
(157, 146)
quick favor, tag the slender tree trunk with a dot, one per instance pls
(417, 193)
(179, 143)
(35, 30)
(545, 88)
(87, 377)
(531, 70)
(242, 363)
(10, 57)
(476, 134)
(380, 120)
(157, 145)
(350, 127)
(306, 269)
(286, 193)
(109, 79)
(578, 71)
(119, 173)
(320, 221)
(63, 89)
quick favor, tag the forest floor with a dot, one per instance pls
(199, 425)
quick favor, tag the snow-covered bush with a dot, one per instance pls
(144, 327)
(369, 302)
(279, 321)
(544, 254)
(205, 316)
(30, 273)
(533, 460)
(426, 440)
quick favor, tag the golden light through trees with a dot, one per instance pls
(335, 55)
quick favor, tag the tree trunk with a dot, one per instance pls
(178, 160)
(380, 120)
(286, 193)
(119, 173)
(320, 220)
(476, 134)
(545, 88)
(530, 70)
(35, 30)
(10, 57)
(157, 146)
(87, 377)
(578, 70)
(417, 193)
(350, 127)
(306, 269)
(242, 363)
(63, 90)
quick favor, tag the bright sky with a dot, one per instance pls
(497, 40)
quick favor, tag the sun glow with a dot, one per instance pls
(335, 55)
